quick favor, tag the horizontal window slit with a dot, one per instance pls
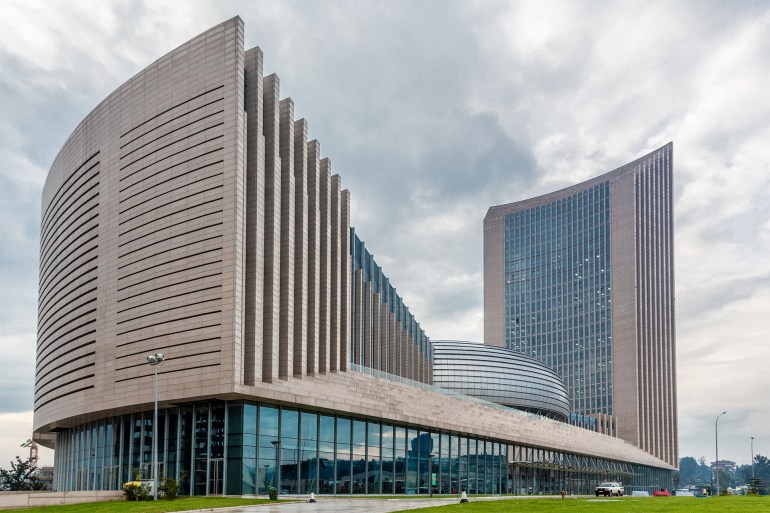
(169, 334)
(161, 136)
(62, 191)
(184, 270)
(180, 141)
(170, 371)
(38, 406)
(156, 116)
(170, 321)
(172, 166)
(184, 220)
(69, 351)
(156, 207)
(166, 298)
(186, 113)
(134, 262)
(168, 346)
(155, 186)
(156, 312)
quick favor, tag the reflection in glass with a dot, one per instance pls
(268, 433)
(388, 464)
(373, 468)
(343, 467)
(326, 454)
(308, 452)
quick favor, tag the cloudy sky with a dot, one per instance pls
(432, 112)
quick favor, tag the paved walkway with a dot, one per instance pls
(344, 506)
(330, 505)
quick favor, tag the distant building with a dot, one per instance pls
(723, 466)
(582, 279)
(46, 477)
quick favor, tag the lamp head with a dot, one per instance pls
(155, 359)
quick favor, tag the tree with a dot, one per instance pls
(693, 472)
(756, 486)
(726, 480)
(761, 470)
(21, 476)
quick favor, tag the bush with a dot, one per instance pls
(136, 491)
(169, 487)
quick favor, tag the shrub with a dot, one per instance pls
(169, 487)
(136, 491)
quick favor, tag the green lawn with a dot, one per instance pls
(179, 504)
(730, 504)
(736, 504)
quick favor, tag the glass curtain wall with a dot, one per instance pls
(243, 448)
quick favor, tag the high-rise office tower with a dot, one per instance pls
(583, 280)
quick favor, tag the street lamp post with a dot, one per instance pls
(430, 473)
(155, 360)
(716, 445)
(752, 458)
(277, 473)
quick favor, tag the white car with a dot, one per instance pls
(609, 488)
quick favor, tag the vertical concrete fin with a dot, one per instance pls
(376, 330)
(392, 344)
(359, 317)
(301, 232)
(324, 331)
(366, 341)
(347, 263)
(272, 279)
(287, 270)
(336, 279)
(255, 213)
(314, 255)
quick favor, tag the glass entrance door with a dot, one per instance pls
(216, 474)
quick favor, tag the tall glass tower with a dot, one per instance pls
(583, 280)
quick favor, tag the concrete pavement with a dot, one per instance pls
(331, 505)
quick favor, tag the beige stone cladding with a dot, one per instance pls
(288, 240)
(643, 329)
(345, 263)
(301, 262)
(364, 396)
(335, 306)
(188, 214)
(272, 276)
(324, 307)
(494, 277)
(142, 239)
(313, 256)
(255, 214)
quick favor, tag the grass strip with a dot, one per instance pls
(161, 506)
(729, 504)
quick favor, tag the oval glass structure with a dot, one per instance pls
(501, 376)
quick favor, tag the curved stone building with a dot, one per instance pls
(500, 376)
(190, 214)
(582, 279)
